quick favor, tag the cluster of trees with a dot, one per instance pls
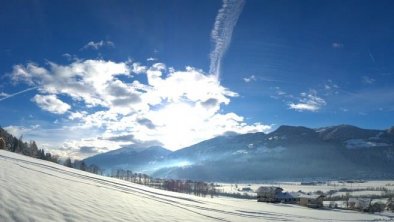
(16, 145)
(128, 175)
(197, 188)
(81, 165)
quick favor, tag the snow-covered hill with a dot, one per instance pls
(36, 190)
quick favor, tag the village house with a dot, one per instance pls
(276, 195)
(310, 200)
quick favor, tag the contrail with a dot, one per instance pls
(17, 93)
(222, 31)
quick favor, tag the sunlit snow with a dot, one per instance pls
(36, 190)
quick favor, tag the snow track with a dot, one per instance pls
(35, 190)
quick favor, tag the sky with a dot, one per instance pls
(85, 77)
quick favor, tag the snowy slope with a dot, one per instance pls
(35, 190)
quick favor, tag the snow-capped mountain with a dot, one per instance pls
(289, 152)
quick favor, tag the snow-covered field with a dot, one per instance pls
(35, 190)
(366, 187)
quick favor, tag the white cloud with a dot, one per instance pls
(77, 115)
(137, 68)
(250, 78)
(337, 45)
(3, 94)
(222, 31)
(330, 88)
(176, 108)
(97, 45)
(308, 102)
(330, 85)
(90, 81)
(151, 59)
(51, 103)
(70, 57)
(19, 131)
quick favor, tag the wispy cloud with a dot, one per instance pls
(222, 31)
(368, 80)
(308, 102)
(97, 45)
(371, 56)
(151, 59)
(368, 99)
(7, 96)
(250, 79)
(337, 45)
(255, 78)
(3, 94)
(330, 88)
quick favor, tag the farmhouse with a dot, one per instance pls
(311, 200)
(276, 195)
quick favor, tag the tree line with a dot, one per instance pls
(16, 145)
(198, 188)
(81, 165)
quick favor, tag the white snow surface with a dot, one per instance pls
(36, 190)
(362, 188)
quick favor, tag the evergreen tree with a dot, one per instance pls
(82, 166)
(2, 144)
(33, 149)
(68, 163)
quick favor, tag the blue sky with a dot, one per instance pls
(86, 77)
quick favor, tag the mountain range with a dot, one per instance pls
(288, 153)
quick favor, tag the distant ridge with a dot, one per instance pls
(289, 152)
